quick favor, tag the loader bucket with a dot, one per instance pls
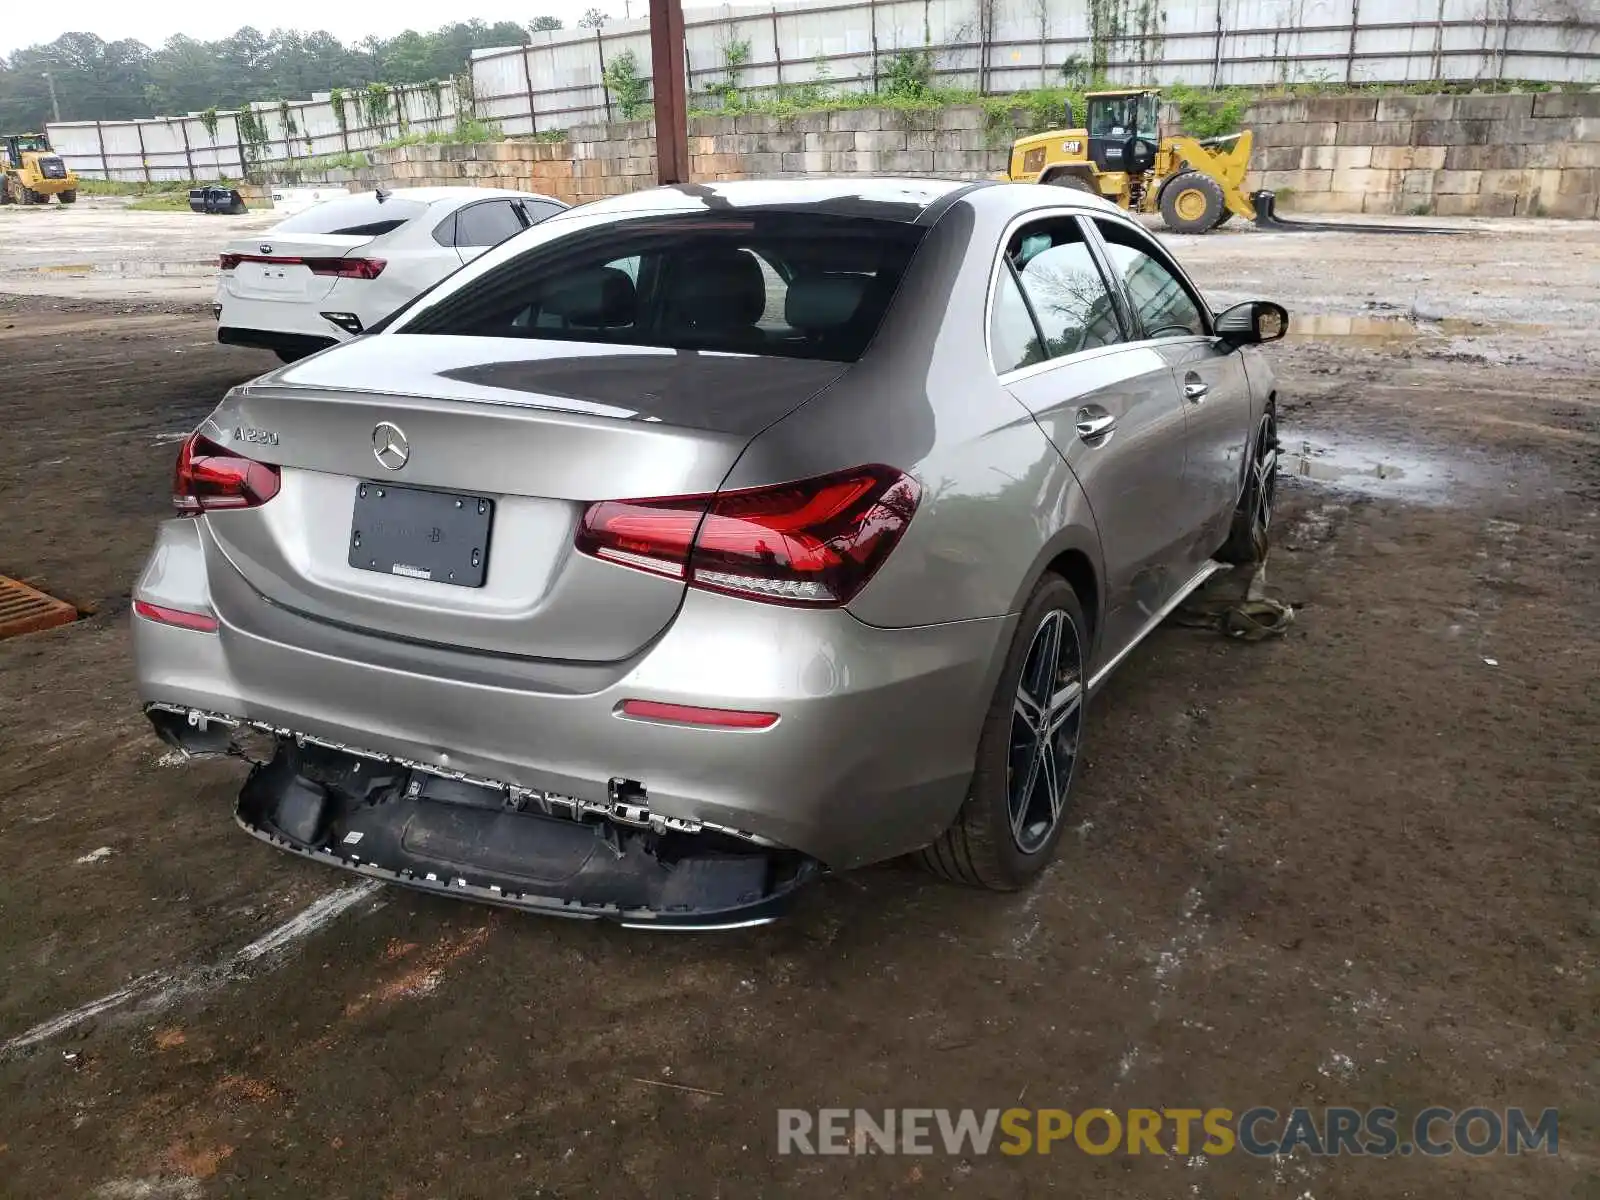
(1266, 204)
(217, 200)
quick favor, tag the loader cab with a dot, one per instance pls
(18, 144)
(1124, 130)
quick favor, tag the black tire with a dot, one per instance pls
(1192, 203)
(1076, 182)
(1250, 535)
(6, 196)
(994, 842)
(70, 196)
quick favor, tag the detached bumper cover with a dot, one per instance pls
(475, 839)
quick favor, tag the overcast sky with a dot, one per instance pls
(154, 21)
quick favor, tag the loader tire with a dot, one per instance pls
(1076, 182)
(1192, 203)
(70, 196)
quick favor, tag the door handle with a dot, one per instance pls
(1094, 423)
(1193, 388)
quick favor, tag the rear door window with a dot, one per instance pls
(487, 224)
(797, 285)
(354, 216)
(1069, 297)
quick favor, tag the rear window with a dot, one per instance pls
(358, 216)
(793, 285)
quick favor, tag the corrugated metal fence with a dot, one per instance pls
(200, 146)
(990, 46)
(994, 46)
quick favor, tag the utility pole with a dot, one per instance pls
(666, 78)
(55, 105)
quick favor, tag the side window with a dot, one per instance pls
(487, 224)
(540, 210)
(1013, 337)
(445, 231)
(1164, 303)
(1068, 294)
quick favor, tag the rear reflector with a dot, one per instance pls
(815, 542)
(688, 714)
(208, 478)
(199, 622)
(343, 268)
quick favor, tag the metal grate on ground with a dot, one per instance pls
(24, 610)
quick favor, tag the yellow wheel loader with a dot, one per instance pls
(30, 172)
(1121, 155)
(1195, 184)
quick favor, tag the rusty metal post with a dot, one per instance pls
(667, 78)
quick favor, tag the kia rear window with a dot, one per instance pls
(792, 285)
(357, 216)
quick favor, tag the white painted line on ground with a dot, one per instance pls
(165, 988)
(77, 1016)
(313, 917)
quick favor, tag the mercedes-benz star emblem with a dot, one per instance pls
(266, 248)
(389, 445)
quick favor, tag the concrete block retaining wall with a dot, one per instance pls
(1470, 155)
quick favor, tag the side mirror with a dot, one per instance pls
(1252, 322)
(1068, 106)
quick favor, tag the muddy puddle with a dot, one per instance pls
(1378, 468)
(1397, 329)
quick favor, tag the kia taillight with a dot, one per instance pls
(346, 268)
(814, 542)
(209, 478)
(341, 268)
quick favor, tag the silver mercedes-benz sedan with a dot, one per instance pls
(700, 540)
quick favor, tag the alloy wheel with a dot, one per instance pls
(1264, 482)
(1045, 721)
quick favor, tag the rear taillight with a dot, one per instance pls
(209, 478)
(346, 268)
(341, 268)
(814, 542)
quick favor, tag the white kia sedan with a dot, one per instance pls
(330, 273)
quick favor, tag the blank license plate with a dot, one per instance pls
(417, 534)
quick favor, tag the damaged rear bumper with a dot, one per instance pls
(471, 838)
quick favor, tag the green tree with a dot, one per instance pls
(545, 24)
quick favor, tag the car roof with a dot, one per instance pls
(459, 195)
(886, 198)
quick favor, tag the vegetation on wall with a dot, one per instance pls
(627, 87)
(735, 54)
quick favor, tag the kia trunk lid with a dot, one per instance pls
(295, 269)
(431, 486)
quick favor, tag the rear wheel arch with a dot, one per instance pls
(1073, 554)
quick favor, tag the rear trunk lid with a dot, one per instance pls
(290, 268)
(537, 429)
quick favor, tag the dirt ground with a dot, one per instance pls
(1357, 865)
